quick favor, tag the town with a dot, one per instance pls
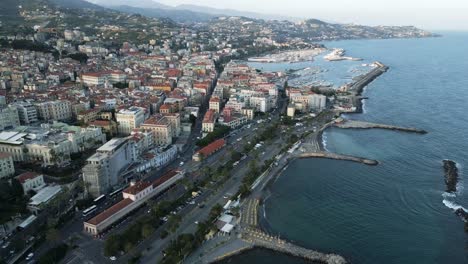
(122, 134)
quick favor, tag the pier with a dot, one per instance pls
(335, 156)
(354, 124)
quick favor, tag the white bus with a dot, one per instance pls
(100, 198)
(89, 211)
(116, 192)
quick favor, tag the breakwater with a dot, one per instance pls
(451, 175)
(362, 81)
(335, 156)
(354, 124)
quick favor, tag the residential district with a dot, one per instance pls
(120, 134)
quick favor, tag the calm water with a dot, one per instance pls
(395, 212)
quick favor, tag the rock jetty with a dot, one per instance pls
(451, 175)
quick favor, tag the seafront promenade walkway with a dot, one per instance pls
(248, 235)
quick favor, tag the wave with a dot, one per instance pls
(452, 205)
(324, 141)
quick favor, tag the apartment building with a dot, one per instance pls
(129, 119)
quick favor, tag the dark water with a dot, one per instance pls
(396, 212)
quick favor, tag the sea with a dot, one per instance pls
(398, 211)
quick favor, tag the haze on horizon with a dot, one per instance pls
(427, 14)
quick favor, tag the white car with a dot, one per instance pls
(30, 256)
(113, 258)
(181, 163)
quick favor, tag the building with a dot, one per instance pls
(9, 117)
(102, 170)
(161, 128)
(49, 144)
(27, 112)
(174, 120)
(209, 121)
(248, 112)
(43, 197)
(215, 104)
(31, 181)
(109, 127)
(7, 167)
(209, 150)
(54, 110)
(133, 197)
(291, 110)
(129, 119)
(87, 116)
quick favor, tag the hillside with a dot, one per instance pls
(180, 16)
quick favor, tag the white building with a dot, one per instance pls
(129, 119)
(49, 144)
(31, 181)
(54, 110)
(103, 169)
(7, 167)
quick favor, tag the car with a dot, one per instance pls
(30, 256)
(192, 202)
(196, 222)
(225, 197)
(181, 163)
(6, 245)
(113, 258)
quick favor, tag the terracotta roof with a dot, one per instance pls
(27, 176)
(109, 212)
(211, 148)
(165, 178)
(137, 188)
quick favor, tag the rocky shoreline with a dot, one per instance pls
(451, 175)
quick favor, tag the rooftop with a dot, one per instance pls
(109, 212)
(211, 148)
(45, 195)
(27, 176)
(137, 187)
(112, 144)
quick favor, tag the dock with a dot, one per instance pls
(354, 124)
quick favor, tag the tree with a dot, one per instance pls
(52, 235)
(147, 230)
(113, 245)
(193, 119)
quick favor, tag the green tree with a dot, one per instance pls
(113, 245)
(147, 230)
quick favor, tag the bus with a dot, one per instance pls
(100, 198)
(89, 211)
(114, 193)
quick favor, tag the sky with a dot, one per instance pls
(426, 14)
